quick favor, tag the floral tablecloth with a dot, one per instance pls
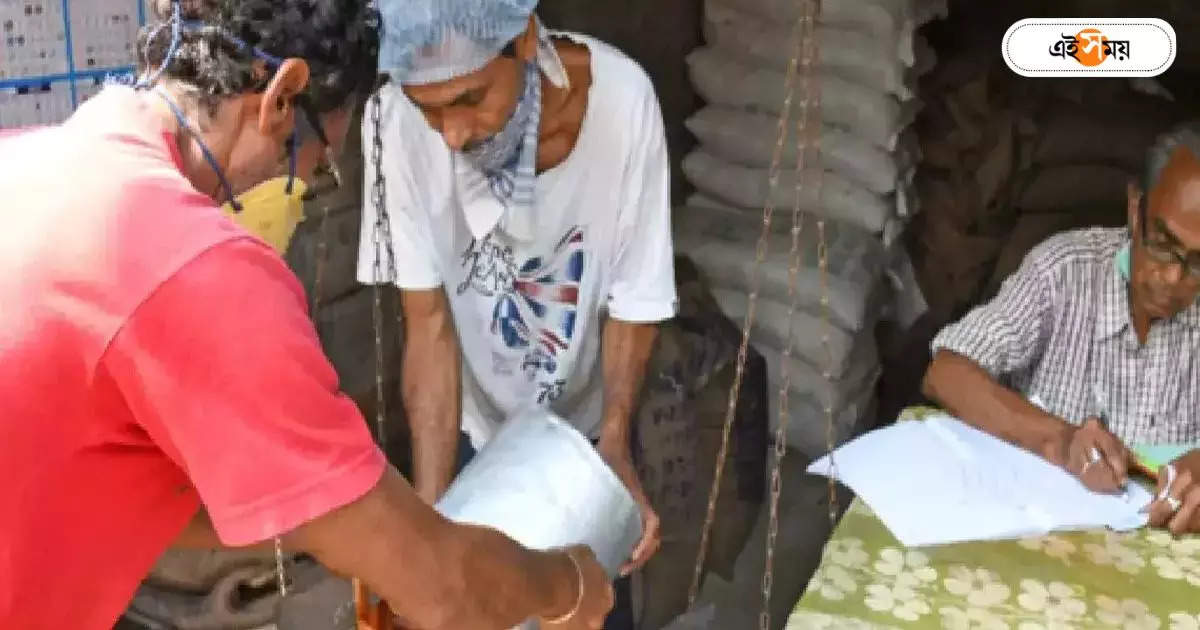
(1141, 580)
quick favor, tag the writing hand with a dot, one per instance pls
(1097, 457)
(1177, 503)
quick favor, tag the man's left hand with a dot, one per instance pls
(1177, 501)
(619, 459)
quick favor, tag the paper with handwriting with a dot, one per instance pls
(941, 481)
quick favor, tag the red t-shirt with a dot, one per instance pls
(153, 357)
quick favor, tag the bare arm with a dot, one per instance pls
(968, 392)
(434, 573)
(432, 387)
(626, 349)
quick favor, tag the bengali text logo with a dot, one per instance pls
(1133, 47)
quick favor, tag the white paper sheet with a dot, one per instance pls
(941, 481)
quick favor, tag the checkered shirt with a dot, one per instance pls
(1059, 332)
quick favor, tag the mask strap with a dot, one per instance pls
(178, 26)
(176, 33)
(291, 162)
(208, 156)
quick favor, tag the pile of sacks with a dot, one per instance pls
(1006, 163)
(870, 57)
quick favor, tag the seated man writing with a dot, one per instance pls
(1093, 344)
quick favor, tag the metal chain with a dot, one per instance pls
(826, 316)
(804, 126)
(381, 237)
(318, 282)
(739, 371)
(280, 576)
(382, 240)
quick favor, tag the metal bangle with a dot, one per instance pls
(578, 598)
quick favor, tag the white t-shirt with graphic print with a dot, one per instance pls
(529, 313)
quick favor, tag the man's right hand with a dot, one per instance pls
(1096, 456)
(595, 600)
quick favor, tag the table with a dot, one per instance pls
(1141, 580)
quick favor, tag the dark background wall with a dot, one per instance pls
(658, 34)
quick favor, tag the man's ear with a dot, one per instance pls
(1133, 202)
(526, 44)
(275, 111)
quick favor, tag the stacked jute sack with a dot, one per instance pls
(1007, 163)
(870, 57)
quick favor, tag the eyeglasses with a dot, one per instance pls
(308, 124)
(1159, 248)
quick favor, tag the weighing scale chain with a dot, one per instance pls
(804, 127)
(381, 237)
(739, 369)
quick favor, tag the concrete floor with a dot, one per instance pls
(803, 529)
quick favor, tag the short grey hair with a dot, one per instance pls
(1159, 154)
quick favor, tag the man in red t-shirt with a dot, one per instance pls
(160, 381)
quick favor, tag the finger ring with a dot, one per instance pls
(1174, 503)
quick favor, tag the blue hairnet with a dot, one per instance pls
(428, 41)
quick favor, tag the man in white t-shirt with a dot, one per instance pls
(525, 185)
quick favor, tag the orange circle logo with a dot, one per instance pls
(1090, 45)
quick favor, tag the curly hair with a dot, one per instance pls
(338, 38)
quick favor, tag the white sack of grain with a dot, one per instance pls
(875, 116)
(806, 428)
(840, 199)
(810, 384)
(722, 241)
(749, 138)
(809, 330)
(854, 54)
(890, 22)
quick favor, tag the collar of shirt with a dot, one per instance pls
(1113, 317)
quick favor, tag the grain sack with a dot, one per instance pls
(749, 138)
(853, 54)
(926, 58)
(806, 426)
(1074, 135)
(809, 383)
(722, 243)
(925, 11)
(701, 200)
(875, 116)
(908, 154)
(810, 392)
(1054, 188)
(745, 187)
(771, 329)
(890, 22)
(677, 433)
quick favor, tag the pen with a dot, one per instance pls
(1094, 452)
